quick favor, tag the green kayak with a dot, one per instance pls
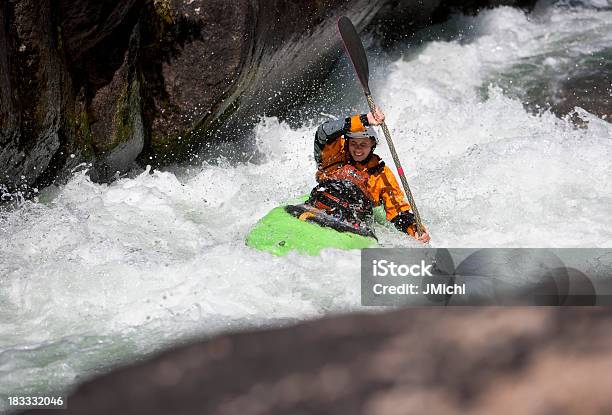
(280, 232)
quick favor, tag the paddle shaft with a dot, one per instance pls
(354, 48)
(398, 165)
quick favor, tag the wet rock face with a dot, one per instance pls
(31, 83)
(414, 361)
(400, 19)
(110, 81)
(86, 23)
(46, 87)
(116, 123)
(193, 54)
(592, 92)
(117, 82)
(223, 64)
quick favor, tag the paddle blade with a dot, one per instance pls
(355, 50)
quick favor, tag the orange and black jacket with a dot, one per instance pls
(372, 176)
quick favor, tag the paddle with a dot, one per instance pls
(355, 50)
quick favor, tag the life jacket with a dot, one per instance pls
(343, 191)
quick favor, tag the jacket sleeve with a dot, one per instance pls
(329, 132)
(391, 196)
(397, 209)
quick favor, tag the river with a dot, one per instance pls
(94, 275)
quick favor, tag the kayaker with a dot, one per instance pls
(351, 178)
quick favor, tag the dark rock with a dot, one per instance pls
(116, 117)
(583, 81)
(111, 82)
(413, 361)
(192, 57)
(32, 82)
(591, 92)
(45, 121)
(88, 23)
(224, 64)
(401, 19)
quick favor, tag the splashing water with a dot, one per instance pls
(94, 275)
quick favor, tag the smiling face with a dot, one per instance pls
(360, 148)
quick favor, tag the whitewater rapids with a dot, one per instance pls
(92, 275)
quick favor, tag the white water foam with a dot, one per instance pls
(93, 274)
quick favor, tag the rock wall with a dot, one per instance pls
(49, 81)
(114, 83)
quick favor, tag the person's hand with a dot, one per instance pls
(377, 117)
(422, 236)
(419, 236)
